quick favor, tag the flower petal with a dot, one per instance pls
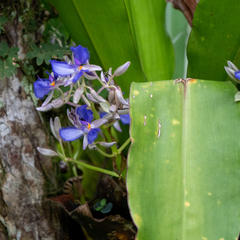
(90, 75)
(125, 119)
(70, 133)
(92, 135)
(81, 54)
(117, 126)
(42, 87)
(48, 99)
(91, 68)
(77, 76)
(62, 68)
(97, 123)
(84, 114)
(85, 141)
(237, 75)
(120, 97)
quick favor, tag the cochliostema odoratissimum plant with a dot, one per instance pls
(89, 113)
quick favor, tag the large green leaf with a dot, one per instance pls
(178, 29)
(103, 27)
(183, 175)
(214, 39)
(147, 21)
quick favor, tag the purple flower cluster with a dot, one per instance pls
(73, 73)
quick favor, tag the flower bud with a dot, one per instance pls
(105, 106)
(47, 152)
(113, 109)
(106, 144)
(232, 66)
(96, 96)
(57, 103)
(103, 78)
(77, 95)
(90, 97)
(119, 96)
(122, 69)
(90, 75)
(111, 96)
(45, 108)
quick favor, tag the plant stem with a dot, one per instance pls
(106, 154)
(60, 90)
(124, 145)
(63, 152)
(69, 94)
(108, 137)
(94, 168)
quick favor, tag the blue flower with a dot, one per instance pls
(44, 86)
(83, 126)
(81, 60)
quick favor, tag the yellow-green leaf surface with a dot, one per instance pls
(154, 47)
(183, 166)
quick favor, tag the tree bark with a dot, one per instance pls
(26, 177)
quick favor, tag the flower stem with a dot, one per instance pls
(106, 154)
(94, 168)
(69, 94)
(60, 90)
(108, 137)
(63, 152)
(124, 145)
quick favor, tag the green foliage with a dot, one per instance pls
(46, 51)
(214, 39)
(106, 32)
(7, 63)
(103, 206)
(154, 47)
(2, 21)
(179, 30)
(183, 173)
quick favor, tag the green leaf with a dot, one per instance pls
(7, 69)
(2, 21)
(107, 208)
(3, 49)
(154, 47)
(46, 51)
(7, 64)
(103, 202)
(183, 166)
(178, 29)
(103, 27)
(214, 39)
